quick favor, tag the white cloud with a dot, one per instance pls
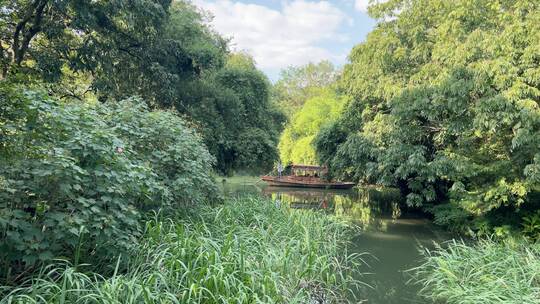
(290, 35)
(361, 5)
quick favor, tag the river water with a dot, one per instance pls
(392, 236)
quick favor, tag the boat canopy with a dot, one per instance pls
(309, 167)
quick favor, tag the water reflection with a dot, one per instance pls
(370, 208)
(300, 198)
(387, 230)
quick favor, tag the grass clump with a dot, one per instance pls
(487, 272)
(245, 251)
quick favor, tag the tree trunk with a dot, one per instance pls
(26, 32)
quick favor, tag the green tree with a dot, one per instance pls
(165, 53)
(445, 104)
(299, 83)
(295, 145)
(39, 37)
(240, 124)
(121, 48)
(182, 53)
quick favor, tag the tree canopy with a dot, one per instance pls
(162, 51)
(445, 105)
(297, 84)
(239, 122)
(295, 145)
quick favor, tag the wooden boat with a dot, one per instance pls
(305, 176)
(292, 181)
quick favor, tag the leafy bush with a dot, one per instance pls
(487, 272)
(531, 225)
(76, 176)
(246, 251)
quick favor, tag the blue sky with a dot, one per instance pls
(281, 33)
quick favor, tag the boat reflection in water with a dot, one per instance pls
(370, 207)
(298, 198)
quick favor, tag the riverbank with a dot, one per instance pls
(239, 179)
(244, 251)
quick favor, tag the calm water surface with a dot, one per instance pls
(391, 235)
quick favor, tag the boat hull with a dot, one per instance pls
(300, 183)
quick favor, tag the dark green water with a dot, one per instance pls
(391, 235)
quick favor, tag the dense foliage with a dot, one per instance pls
(487, 272)
(247, 251)
(239, 123)
(297, 84)
(124, 47)
(160, 50)
(295, 145)
(112, 109)
(445, 105)
(75, 177)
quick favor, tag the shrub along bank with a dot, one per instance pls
(245, 251)
(76, 177)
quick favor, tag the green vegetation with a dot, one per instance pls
(442, 102)
(76, 177)
(246, 251)
(111, 110)
(445, 105)
(240, 124)
(162, 51)
(298, 84)
(114, 110)
(487, 272)
(295, 145)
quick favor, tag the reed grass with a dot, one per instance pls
(486, 272)
(246, 251)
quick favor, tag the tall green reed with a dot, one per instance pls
(486, 272)
(245, 251)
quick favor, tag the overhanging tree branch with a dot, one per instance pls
(20, 51)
